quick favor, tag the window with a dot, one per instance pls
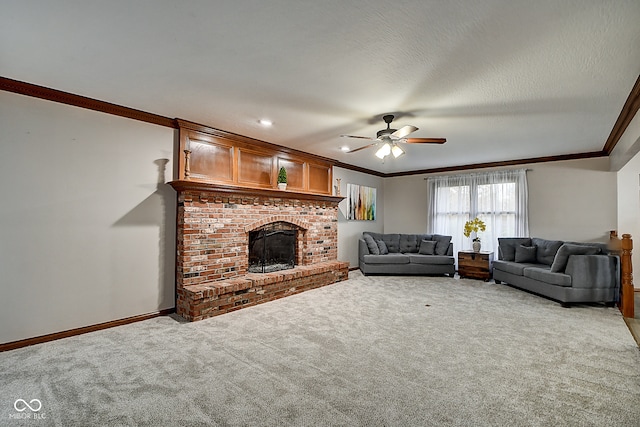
(498, 198)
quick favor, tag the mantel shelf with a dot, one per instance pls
(187, 185)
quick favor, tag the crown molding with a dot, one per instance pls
(359, 169)
(629, 110)
(544, 159)
(55, 95)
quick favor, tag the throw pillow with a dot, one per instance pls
(427, 247)
(442, 244)
(526, 253)
(568, 249)
(382, 247)
(507, 247)
(371, 244)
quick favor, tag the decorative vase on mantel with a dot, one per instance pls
(282, 186)
(476, 245)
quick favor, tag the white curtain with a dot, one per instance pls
(499, 198)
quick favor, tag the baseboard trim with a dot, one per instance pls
(632, 329)
(85, 329)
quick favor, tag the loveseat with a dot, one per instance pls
(405, 254)
(567, 272)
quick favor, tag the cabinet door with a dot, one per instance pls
(211, 159)
(255, 168)
(295, 172)
(319, 178)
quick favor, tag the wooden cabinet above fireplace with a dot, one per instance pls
(219, 157)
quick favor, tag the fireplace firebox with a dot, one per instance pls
(272, 248)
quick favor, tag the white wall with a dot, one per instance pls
(629, 205)
(627, 162)
(572, 200)
(405, 204)
(568, 200)
(87, 227)
(350, 231)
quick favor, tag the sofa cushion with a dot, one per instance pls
(382, 246)
(391, 240)
(408, 243)
(526, 253)
(511, 267)
(442, 244)
(547, 250)
(371, 244)
(427, 247)
(507, 247)
(546, 275)
(431, 259)
(387, 259)
(568, 249)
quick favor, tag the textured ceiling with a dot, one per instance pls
(501, 80)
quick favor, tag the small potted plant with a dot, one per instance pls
(282, 179)
(474, 226)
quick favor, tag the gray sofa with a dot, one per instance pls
(405, 254)
(567, 272)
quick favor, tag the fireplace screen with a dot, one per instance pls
(272, 248)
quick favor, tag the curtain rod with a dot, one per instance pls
(475, 173)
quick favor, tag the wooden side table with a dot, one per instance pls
(475, 265)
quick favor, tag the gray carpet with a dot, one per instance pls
(375, 351)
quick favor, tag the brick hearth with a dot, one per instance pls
(212, 246)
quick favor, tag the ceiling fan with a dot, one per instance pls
(389, 138)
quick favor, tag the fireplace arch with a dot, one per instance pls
(302, 246)
(274, 247)
(277, 218)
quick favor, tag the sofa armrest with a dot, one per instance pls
(363, 249)
(593, 271)
(450, 249)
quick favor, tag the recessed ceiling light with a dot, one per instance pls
(344, 148)
(265, 122)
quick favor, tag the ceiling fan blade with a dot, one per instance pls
(404, 131)
(361, 148)
(355, 136)
(425, 140)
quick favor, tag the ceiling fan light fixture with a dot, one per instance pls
(383, 151)
(390, 138)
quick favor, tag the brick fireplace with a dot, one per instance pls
(214, 223)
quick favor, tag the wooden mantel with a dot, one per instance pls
(188, 185)
(212, 156)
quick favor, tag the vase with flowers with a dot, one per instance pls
(474, 226)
